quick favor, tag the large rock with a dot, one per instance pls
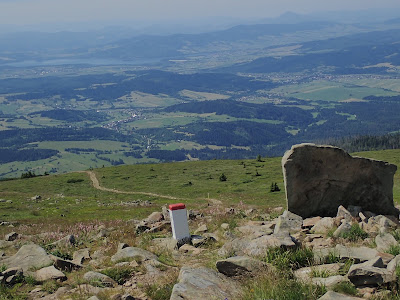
(367, 274)
(28, 257)
(48, 273)
(203, 283)
(318, 179)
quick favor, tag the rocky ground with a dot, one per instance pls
(234, 253)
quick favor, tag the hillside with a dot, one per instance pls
(195, 183)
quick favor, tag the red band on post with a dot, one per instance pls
(177, 206)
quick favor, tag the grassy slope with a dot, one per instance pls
(80, 201)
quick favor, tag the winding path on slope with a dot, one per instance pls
(96, 185)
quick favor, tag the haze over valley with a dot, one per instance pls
(232, 88)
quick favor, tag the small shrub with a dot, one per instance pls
(394, 250)
(331, 258)
(346, 267)
(30, 280)
(73, 180)
(345, 288)
(274, 187)
(321, 273)
(3, 268)
(290, 259)
(277, 287)
(50, 286)
(396, 235)
(355, 234)
(166, 259)
(156, 292)
(62, 254)
(222, 177)
(12, 293)
(119, 274)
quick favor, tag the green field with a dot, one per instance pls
(333, 91)
(195, 183)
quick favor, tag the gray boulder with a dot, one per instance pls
(359, 254)
(100, 278)
(342, 229)
(384, 241)
(28, 257)
(131, 253)
(394, 263)
(203, 283)
(49, 273)
(65, 265)
(289, 222)
(81, 255)
(239, 265)
(318, 179)
(366, 274)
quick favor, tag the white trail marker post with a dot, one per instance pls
(179, 223)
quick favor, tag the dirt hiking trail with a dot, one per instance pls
(96, 185)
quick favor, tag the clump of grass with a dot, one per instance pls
(157, 292)
(61, 254)
(396, 234)
(321, 273)
(30, 280)
(355, 234)
(394, 250)
(345, 288)
(3, 268)
(280, 287)
(119, 274)
(166, 258)
(331, 231)
(285, 259)
(346, 267)
(331, 258)
(12, 293)
(50, 286)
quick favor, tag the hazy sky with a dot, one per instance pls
(24, 12)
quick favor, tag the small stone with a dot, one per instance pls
(81, 255)
(343, 213)
(203, 228)
(310, 222)
(331, 295)
(343, 228)
(155, 217)
(122, 246)
(225, 226)
(190, 249)
(11, 236)
(384, 241)
(65, 265)
(323, 225)
(67, 240)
